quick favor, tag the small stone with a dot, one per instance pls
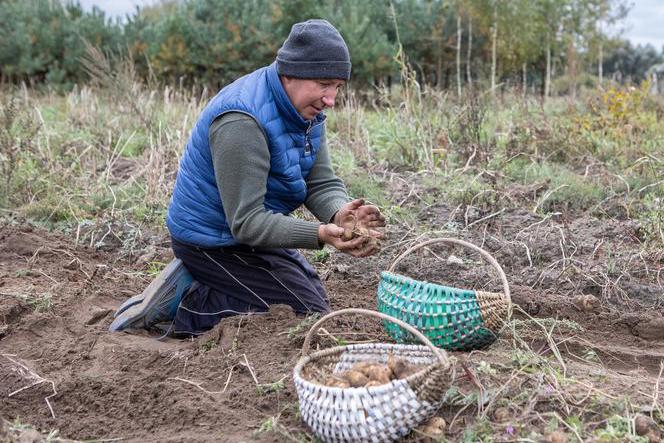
(454, 260)
(643, 424)
(73, 265)
(97, 316)
(342, 269)
(502, 415)
(652, 329)
(653, 436)
(146, 257)
(434, 429)
(30, 436)
(556, 437)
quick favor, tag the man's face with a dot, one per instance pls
(310, 97)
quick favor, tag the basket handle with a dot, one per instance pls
(465, 244)
(439, 353)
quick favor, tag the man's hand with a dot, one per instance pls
(361, 246)
(366, 216)
(362, 218)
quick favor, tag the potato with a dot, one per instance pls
(362, 366)
(335, 381)
(348, 234)
(379, 373)
(348, 223)
(393, 363)
(353, 229)
(401, 368)
(373, 383)
(355, 378)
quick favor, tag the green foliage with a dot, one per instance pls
(320, 256)
(155, 267)
(93, 159)
(268, 388)
(303, 326)
(618, 429)
(43, 39)
(480, 431)
(565, 188)
(267, 426)
(212, 42)
(361, 185)
(208, 345)
(40, 303)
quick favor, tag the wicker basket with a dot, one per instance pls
(376, 414)
(453, 319)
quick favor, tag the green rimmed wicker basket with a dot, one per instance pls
(452, 318)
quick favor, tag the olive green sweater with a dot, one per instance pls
(241, 160)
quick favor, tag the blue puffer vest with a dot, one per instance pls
(196, 212)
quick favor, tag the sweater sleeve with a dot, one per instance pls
(327, 193)
(241, 161)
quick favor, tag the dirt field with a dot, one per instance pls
(57, 298)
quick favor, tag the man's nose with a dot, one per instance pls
(328, 99)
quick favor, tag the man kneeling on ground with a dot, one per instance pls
(257, 152)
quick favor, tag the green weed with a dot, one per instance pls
(154, 268)
(209, 345)
(302, 326)
(320, 255)
(651, 216)
(267, 426)
(618, 428)
(268, 388)
(40, 303)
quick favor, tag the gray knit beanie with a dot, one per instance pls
(314, 49)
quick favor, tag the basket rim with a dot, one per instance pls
(385, 274)
(299, 366)
(463, 243)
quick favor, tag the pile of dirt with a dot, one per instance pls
(61, 369)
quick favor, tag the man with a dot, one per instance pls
(257, 153)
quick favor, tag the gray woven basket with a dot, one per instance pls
(376, 414)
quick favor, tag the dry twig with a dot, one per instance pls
(196, 384)
(36, 380)
(251, 370)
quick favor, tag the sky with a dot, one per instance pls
(116, 8)
(644, 23)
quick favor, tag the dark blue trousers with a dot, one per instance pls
(243, 279)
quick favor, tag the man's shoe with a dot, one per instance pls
(175, 269)
(131, 301)
(158, 303)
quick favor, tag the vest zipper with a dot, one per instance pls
(307, 141)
